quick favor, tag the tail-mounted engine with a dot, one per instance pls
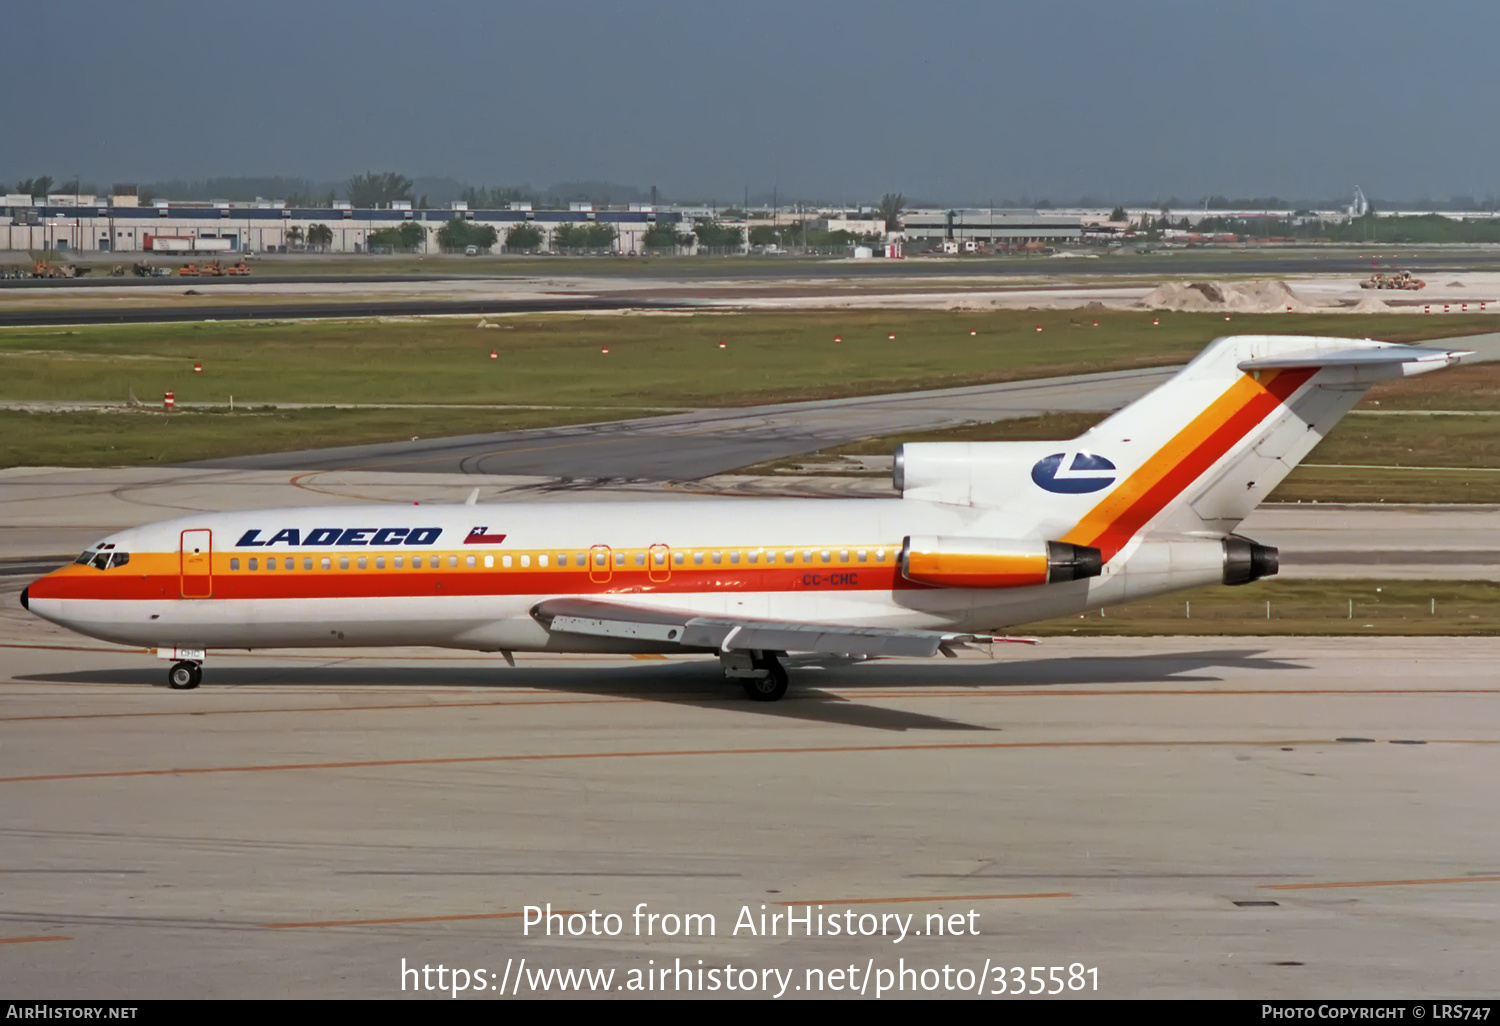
(1246, 561)
(995, 563)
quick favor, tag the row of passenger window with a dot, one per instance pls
(657, 558)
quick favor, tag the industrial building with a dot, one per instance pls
(117, 223)
(984, 227)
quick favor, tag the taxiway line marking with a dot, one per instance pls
(842, 693)
(473, 760)
(1380, 883)
(929, 897)
(31, 940)
(396, 920)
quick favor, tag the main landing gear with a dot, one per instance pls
(185, 675)
(760, 673)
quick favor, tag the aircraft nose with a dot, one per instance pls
(25, 601)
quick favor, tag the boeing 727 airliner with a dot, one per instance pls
(986, 536)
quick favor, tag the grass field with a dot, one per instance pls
(556, 360)
(1300, 607)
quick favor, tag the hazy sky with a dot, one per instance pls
(838, 99)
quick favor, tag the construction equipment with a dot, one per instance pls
(1402, 280)
(238, 270)
(188, 270)
(212, 269)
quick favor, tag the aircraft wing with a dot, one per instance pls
(728, 634)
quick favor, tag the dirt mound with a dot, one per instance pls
(1371, 304)
(1217, 296)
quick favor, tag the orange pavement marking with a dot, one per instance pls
(508, 703)
(399, 919)
(930, 897)
(31, 940)
(811, 750)
(1381, 883)
(994, 691)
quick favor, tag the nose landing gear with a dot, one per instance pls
(185, 675)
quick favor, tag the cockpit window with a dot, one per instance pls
(86, 558)
(104, 560)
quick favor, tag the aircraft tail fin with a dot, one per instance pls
(1191, 458)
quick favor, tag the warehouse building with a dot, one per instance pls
(117, 223)
(989, 227)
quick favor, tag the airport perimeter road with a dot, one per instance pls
(1192, 817)
(688, 446)
(355, 307)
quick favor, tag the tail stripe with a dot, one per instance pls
(1110, 525)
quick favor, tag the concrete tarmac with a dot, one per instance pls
(1288, 818)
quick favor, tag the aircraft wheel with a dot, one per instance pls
(184, 676)
(768, 688)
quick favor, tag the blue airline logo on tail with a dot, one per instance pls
(1074, 473)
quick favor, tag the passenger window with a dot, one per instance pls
(525, 560)
(619, 559)
(379, 562)
(698, 558)
(254, 564)
(770, 557)
(452, 562)
(880, 555)
(640, 559)
(234, 564)
(489, 561)
(734, 557)
(827, 556)
(807, 555)
(860, 555)
(541, 560)
(755, 557)
(562, 559)
(343, 562)
(270, 562)
(600, 559)
(843, 555)
(469, 562)
(327, 563)
(364, 563)
(677, 559)
(580, 561)
(718, 557)
(399, 562)
(659, 557)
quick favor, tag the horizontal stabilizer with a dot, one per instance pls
(1363, 357)
(729, 634)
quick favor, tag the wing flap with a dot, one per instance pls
(729, 634)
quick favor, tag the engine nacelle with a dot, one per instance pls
(1246, 561)
(950, 562)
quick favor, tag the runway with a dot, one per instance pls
(1191, 817)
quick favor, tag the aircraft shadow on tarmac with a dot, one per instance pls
(697, 684)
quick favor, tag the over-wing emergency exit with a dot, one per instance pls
(986, 536)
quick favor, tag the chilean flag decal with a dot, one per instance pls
(478, 537)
